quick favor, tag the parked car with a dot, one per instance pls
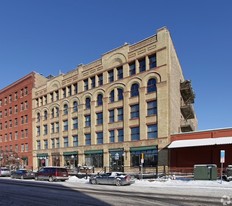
(23, 174)
(4, 172)
(52, 174)
(111, 178)
(228, 173)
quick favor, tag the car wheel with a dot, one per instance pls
(118, 182)
(36, 178)
(22, 177)
(50, 179)
(94, 182)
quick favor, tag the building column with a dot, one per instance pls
(142, 113)
(126, 116)
(105, 119)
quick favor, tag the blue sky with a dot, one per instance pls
(47, 36)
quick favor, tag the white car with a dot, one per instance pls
(4, 172)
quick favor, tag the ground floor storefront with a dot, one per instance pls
(124, 159)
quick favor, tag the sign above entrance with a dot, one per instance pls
(116, 156)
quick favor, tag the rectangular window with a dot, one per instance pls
(38, 145)
(112, 139)
(52, 127)
(57, 143)
(120, 72)
(16, 135)
(100, 79)
(16, 148)
(45, 129)
(75, 141)
(22, 147)
(16, 109)
(65, 141)
(111, 76)
(99, 118)
(38, 130)
(45, 144)
(75, 88)
(99, 137)
(95, 160)
(135, 135)
(120, 135)
(26, 147)
(26, 133)
(152, 131)
(64, 92)
(134, 111)
(93, 82)
(65, 124)
(111, 116)
(150, 157)
(87, 139)
(10, 123)
(132, 68)
(142, 65)
(86, 84)
(120, 114)
(57, 127)
(87, 121)
(75, 123)
(69, 90)
(53, 143)
(152, 61)
(151, 108)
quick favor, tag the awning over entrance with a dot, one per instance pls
(200, 142)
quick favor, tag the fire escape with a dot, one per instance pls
(187, 109)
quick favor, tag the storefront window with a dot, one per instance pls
(150, 157)
(95, 159)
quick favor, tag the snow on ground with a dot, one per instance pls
(178, 182)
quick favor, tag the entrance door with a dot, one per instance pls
(117, 161)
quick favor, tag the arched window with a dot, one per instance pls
(134, 90)
(75, 106)
(120, 94)
(45, 115)
(99, 100)
(87, 103)
(65, 109)
(151, 85)
(112, 96)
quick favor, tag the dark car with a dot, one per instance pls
(228, 173)
(52, 174)
(23, 174)
(111, 178)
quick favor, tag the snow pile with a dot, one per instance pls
(76, 179)
(178, 182)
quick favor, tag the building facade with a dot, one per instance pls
(200, 147)
(116, 113)
(16, 122)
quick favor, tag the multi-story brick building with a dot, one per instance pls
(117, 112)
(16, 121)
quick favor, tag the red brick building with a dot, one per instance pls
(201, 147)
(16, 121)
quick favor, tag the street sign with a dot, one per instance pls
(222, 156)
